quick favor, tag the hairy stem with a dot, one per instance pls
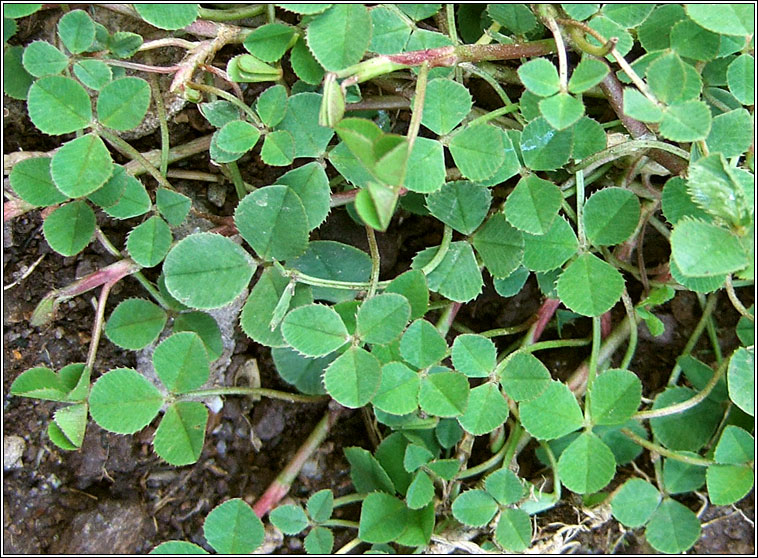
(736, 301)
(652, 446)
(710, 306)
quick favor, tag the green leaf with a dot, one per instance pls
(271, 105)
(81, 166)
(133, 202)
(269, 42)
(628, 15)
(58, 105)
(504, 486)
(168, 16)
(666, 77)
(354, 378)
(381, 319)
(425, 170)
(544, 148)
(340, 36)
(444, 394)
(746, 328)
(635, 502)
(206, 327)
(124, 44)
(375, 205)
(314, 330)
(589, 286)
(417, 12)
(180, 435)
(533, 205)
(736, 446)
(705, 250)
(173, 206)
(93, 73)
(461, 204)
(390, 31)
(135, 323)
(474, 508)
(478, 151)
(728, 484)
(327, 259)
(420, 491)
(700, 284)
(233, 528)
(273, 221)
(149, 242)
(552, 249)
(689, 430)
(740, 77)
(540, 77)
(615, 396)
(446, 469)
(289, 519)
(390, 455)
(500, 246)
(587, 74)
(640, 107)
(589, 138)
(237, 136)
(320, 505)
(474, 355)
(515, 17)
(319, 540)
(514, 530)
(457, 277)
(304, 373)
(15, 11)
(69, 228)
(219, 113)
(655, 31)
(611, 216)
(673, 528)
(123, 103)
(178, 547)
(305, 9)
(412, 285)
(524, 377)
(77, 31)
(43, 59)
(311, 184)
(676, 202)
(181, 362)
(304, 64)
(415, 456)
(16, 80)
(40, 383)
(580, 12)
(366, 472)
(487, 409)
(511, 285)
(123, 401)
(731, 133)
(561, 110)
(679, 477)
(383, 518)
(587, 465)
(690, 40)
(741, 379)
(72, 422)
(206, 270)
(31, 180)
(422, 345)
(301, 120)
(278, 148)
(552, 414)
(729, 19)
(609, 28)
(686, 121)
(722, 190)
(446, 104)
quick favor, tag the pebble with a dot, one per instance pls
(13, 450)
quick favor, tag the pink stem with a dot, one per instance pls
(544, 315)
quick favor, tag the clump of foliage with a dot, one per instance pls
(603, 117)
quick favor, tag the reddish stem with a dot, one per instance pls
(544, 315)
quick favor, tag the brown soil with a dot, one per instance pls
(116, 496)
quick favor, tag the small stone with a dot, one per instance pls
(217, 194)
(13, 451)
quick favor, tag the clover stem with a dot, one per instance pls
(265, 392)
(504, 454)
(239, 183)
(685, 405)
(349, 499)
(97, 325)
(596, 341)
(375, 261)
(231, 14)
(507, 330)
(142, 67)
(627, 148)
(486, 76)
(448, 317)
(229, 97)
(560, 47)
(632, 345)
(710, 329)
(652, 446)
(133, 154)
(555, 344)
(494, 114)
(710, 306)
(168, 41)
(554, 467)
(161, 109)
(418, 105)
(175, 154)
(580, 211)
(281, 485)
(736, 301)
(341, 523)
(350, 545)
(447, 236)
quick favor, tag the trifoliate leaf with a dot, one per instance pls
(673, 528)
(487, 409)
(589, 286)
(446, 104)
(314, 330)
(635, 502)
(149, 242)
(69, 229)
(615, 396)
(587, 465)
(474, 355)
(533, 205)
(463, 205)
(340, 36)
(168, 16)
(422, 345)
(123, 401)
(611, 216)
(474, 508)
(500, 246)
(233, 528)
(135, 323)
(552, 414)
(444, 394)
(181, 433)
(540, 76)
